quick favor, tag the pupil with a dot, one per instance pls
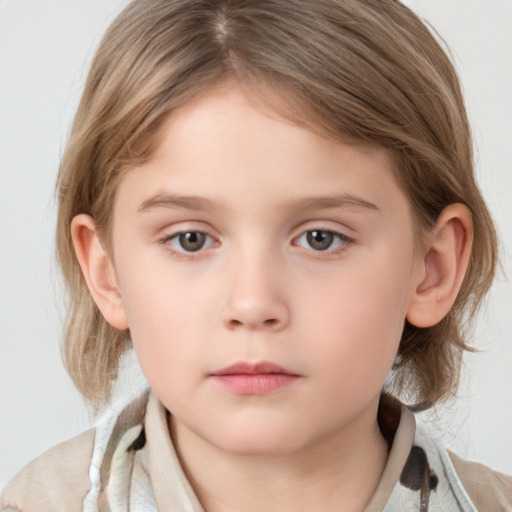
(320, 240)
(192, 241)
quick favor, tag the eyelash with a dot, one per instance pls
(342, 238)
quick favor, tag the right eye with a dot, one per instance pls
(189, 241)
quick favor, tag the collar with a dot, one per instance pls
(398, 426)
(173, 492)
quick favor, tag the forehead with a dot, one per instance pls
(225, 145)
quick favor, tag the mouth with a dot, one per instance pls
(259, 378)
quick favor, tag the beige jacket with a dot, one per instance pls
(127, 463)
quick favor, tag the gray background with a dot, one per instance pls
(45, 48)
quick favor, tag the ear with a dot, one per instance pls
(98, 270)
(444, 266)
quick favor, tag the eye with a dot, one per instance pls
(322, 239)
(189, 241)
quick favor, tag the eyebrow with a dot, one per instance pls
(332, 202)
(173, 201)
(308, 203)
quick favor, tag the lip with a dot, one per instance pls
(258, 378)
(258, 368)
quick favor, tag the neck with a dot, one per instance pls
(338, 472)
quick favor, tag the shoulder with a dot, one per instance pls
(56, 480)
(77, 471)
(488, 489)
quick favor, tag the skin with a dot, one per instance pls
(260, 290)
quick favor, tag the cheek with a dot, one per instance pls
(164, 316)
(361, 319)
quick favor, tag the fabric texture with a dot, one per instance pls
(127, 463)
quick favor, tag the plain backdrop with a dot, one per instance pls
(45, 49)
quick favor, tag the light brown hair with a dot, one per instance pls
(365, 71)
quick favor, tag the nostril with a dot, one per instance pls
(264, 313)
(270, 322)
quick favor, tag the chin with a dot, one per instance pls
(259, 442)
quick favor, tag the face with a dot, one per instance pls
(265, 272)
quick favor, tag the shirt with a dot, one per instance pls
(127, 462)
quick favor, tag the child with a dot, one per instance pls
(274, 203)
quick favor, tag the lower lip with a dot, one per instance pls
(259, 384)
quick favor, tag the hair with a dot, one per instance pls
(365, 71)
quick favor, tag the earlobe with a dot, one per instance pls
(98, 270)
(444, 267)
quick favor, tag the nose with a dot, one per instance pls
(256, 296)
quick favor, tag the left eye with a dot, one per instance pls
(321, 239)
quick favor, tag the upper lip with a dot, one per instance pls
(258, 368)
